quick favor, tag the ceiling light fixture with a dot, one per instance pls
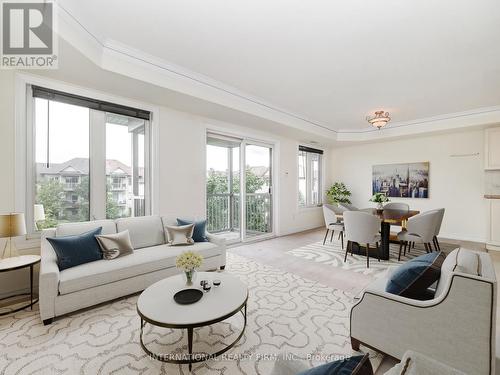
(380, 119)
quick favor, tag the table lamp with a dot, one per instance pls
(11, 225)
(39, 214)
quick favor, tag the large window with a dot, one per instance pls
(124, 166)
(91, 160)
(310, 193)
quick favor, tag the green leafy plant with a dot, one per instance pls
(379, 198)
(338, 193)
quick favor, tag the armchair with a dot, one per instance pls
(456, 327)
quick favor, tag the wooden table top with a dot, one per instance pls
(395, 217)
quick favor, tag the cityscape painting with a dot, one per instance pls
(408, 180)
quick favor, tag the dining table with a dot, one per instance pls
(388, 218)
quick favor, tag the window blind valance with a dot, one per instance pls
(310, 149)
(59, 96)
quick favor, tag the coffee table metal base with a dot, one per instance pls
(197, 357)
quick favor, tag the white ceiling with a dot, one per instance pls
(75, 69)
(327, 62)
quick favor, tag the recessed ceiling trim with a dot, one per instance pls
(394, 125)
(471, 119)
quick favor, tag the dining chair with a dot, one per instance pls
(349, 207)
(421, 228)
(362, 228)
(332, 222)
(439, 221)
(438, 228)
(397, 206)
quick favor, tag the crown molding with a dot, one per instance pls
(118, 58)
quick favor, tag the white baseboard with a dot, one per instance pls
(492, 247)
(460, 237)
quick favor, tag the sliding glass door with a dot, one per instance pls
(258, 190)
(223, 187)
(235, 165)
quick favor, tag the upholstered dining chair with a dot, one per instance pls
(332, 222)
(397, 206)
(362, 228)
(421, 228)
(438, 228)
(349, 207)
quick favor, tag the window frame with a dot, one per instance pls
(25, 188)
(309, 179)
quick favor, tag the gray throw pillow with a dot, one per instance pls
(180, 235)
(115, 245)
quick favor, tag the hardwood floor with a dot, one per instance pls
(273, 252)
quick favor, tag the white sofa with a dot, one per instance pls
(456, 327)
(92, 283)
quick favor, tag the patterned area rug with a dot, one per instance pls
(331, 253)
(286, 314)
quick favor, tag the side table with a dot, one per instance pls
(15, 263)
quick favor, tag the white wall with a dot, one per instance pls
(456, 183)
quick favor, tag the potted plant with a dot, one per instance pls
(338, 193)
(380, 199)
(188, 262)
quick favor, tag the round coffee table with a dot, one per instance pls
(156, 306)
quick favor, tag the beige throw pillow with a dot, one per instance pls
(180, 235)
(115, 245)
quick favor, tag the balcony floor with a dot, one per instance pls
(234, 236)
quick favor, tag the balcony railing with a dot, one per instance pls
(71, 185)
(119, 186)
(139, 206)
(223, 213)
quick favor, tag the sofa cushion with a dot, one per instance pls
(138, 263)
(181, 235)
(75, 250)
(200, 229)
(145, 231)
(115, 245)
(412, 278)
(71, 229)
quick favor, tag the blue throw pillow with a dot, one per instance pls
(354, 365)
(413, 278)
(199, 229)
(72, 251)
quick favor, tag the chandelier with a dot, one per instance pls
(380, 119)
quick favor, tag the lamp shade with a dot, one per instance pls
(12, 225)
(39, 212)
